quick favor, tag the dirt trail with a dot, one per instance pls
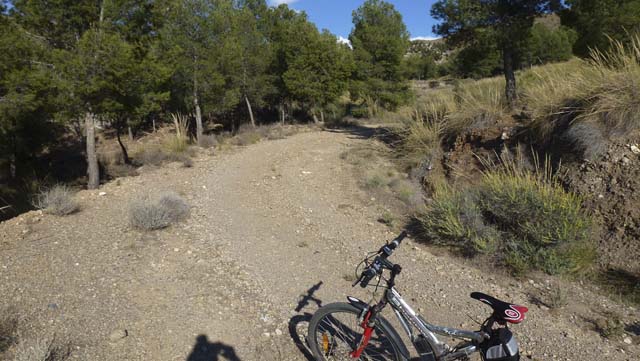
(269, 223)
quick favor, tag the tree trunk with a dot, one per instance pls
(196, 104)
(92, 159)
(282, 113)
(153, 120)
(199, 129)
(322, 116)
(130, 133)
(125, 154)
(13, 169)
(509, 75)
(253, 121)
(315, 118)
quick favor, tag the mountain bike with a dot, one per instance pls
(356, 330)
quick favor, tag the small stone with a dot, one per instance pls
(625, 160)
(176, 249)
(634, 149)
(102, 194)
(266, 334)
(118, 335)
(278, 332)
(627, 340)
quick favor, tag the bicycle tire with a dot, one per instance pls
(384, 336)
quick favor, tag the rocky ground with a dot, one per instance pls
(275, 230)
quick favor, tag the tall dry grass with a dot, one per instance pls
(603, 92)
(179, 143)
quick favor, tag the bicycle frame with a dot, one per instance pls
(443, 352)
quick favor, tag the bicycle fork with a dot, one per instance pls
(367, 324)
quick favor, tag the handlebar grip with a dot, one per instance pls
(396, 242)
(367, 276)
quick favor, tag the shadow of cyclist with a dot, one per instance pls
(204, 350)
(304, 299)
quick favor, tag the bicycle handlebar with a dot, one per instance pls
(380, 262)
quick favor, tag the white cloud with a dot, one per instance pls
(279, 2)
(343, 40)
(425, 38)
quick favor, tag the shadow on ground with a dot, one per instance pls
(204, 350)
(299, 323)
(358, 131)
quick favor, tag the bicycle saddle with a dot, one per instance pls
(503, 310)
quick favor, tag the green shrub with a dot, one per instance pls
(545, 225)
(453, 218)
(525, 218)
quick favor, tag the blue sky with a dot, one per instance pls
(335, 15)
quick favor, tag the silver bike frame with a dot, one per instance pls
(409, 318)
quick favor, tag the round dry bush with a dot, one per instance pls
(57, 200)
(151, 213)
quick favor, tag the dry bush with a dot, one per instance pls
(57, 200)
(247, 135)
(557, 296)
(8, 328)
(150, 213)
(208, 141)
(41, 348)
(150, 155)
(121, 170)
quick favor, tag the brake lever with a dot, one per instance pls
(357, 281)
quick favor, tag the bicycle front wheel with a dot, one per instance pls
(335, 331)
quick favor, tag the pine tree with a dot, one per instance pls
(380, 40)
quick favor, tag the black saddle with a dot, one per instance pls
(504, 311)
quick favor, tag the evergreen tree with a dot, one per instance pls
(380, 40)
(598, 20)
(319, 73)
(508, 22)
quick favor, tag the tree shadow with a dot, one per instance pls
(622, 283)
(204, 350)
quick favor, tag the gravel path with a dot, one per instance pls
(270, 224)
